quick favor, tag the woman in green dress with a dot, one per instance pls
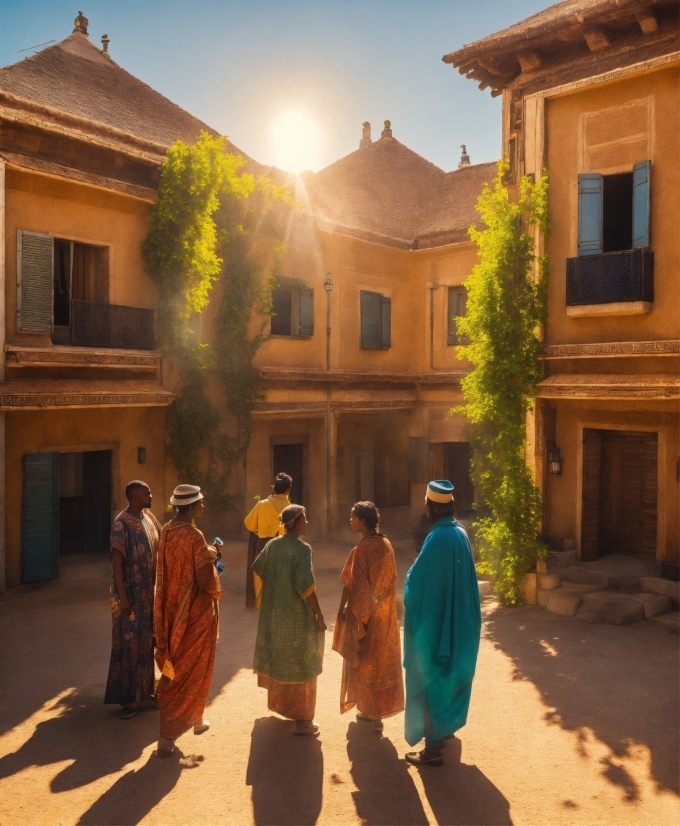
(287, 651)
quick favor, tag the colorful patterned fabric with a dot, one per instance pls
(286, 649)
(296, 701)
(186, 621)
(368, 635)
(442, 623)
(131, 675)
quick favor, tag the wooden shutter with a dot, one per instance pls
(457, 308)
(385, 323)
(40, 517)
(418, 459)
(641, 204)
(589, 214)
(305, 312)
(35, 273)
(590, 513)
(371, 311)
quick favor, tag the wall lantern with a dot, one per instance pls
(328, 284)
(141, 455)
(554, 459)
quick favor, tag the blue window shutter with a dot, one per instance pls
(370, 306)
(40, 517)
(35, 274)
(589, 214)
(306, 312)
(385, 323)
(642, 173)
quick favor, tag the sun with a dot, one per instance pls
(297, 142)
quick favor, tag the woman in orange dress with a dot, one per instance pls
(367, 632)
(185, 620)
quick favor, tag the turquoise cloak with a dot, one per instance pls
(442, 624)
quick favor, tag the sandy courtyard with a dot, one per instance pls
(569, 723)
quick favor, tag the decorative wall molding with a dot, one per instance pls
(79, 357)
(284, 374)
(611, 349)
(605, 386)
(12, 401)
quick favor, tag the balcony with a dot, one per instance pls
(111, 325)
(613, 278)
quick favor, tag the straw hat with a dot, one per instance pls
(186, 495)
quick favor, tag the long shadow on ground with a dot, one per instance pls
(619, 683)
(286, 774)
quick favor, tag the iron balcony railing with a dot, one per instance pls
(610, 277)
(111, 325)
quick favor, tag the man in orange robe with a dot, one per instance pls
(185, 620)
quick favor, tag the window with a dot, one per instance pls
(613, 211)
(457, 308)
(51, 273)
(293, 312)
(376, 321)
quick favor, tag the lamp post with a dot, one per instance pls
(328, 286)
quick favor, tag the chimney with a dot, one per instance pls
(464, 157)
(386, 132)
(105, 44)
(80, 23)
(365, 135)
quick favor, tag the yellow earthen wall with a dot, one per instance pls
(121, 430)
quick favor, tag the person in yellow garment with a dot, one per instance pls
(264, 524)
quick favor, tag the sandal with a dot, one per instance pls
(165, 748)
(202, 727)
(306, 727)
(127, 711)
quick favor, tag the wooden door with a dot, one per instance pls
(40, 517)
(590, 505)
(290, 459)
(628, 493)
(97, 490)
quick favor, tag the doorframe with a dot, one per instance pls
(661, 469)
(88, 447)
(301, 439)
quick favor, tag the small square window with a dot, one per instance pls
(457, 308)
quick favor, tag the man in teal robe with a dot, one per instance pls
(442, 624)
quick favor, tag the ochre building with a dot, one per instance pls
(591, 92)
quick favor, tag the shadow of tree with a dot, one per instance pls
(618, 683)
(286, 774)
(136, 793)
(76, 734)
(460, 795)
(385, 792)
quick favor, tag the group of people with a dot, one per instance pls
(165, 591)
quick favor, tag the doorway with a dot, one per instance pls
(457, 461)
(84, 502)
(290, 459)
(619, 513)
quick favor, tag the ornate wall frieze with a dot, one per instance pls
(613, 348)
(25, 357)
(17, 401)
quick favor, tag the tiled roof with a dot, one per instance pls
(77, 78)
(390, 193)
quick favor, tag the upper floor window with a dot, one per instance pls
(376, 321)
(457, 300)
(613, 211)
(293, 311)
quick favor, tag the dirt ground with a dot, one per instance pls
(570, 723)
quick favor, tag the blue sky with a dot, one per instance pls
(239, 64)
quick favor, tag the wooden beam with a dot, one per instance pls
(647, 21)
(597, 39)
(529, 61)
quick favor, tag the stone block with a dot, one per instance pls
(579, 588)
(608, 606)
(584, 576)
(542, 566)
(485, 588)
(566, 558)
(669, 622)
(627, 583)
(654, 604)
(564, 602)
(542, 598)
(528, 588)
(548, 582)
(665, 587)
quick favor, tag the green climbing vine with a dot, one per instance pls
(505, 307)
(199, 251)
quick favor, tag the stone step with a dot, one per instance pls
(584, 576)
(654, 604)
(669, 622)
(665, 587)
(612, 607)
(563, 600)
